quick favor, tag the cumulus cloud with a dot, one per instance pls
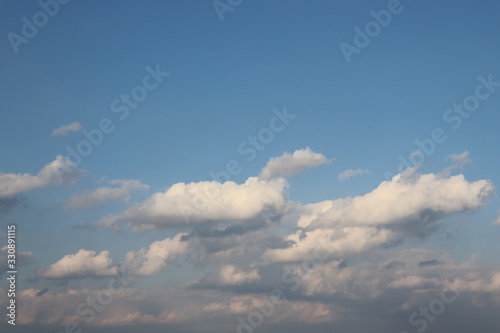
(61, 170)
(158, 255)
(292, 164)
(144, 262)
(65, 129)
(84, 263)
(329, 258)
(231, 275)
(338, 243)
(408, 197)
(205, 201)
(479, 284)
(347, 174)
(407, 206)
(311, 212)
(123, 189)
(373, 275)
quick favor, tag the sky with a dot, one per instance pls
(250, 166)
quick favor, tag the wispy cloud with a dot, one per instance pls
(90, 198)
(497, 221)
(65, 129)
(460, 159)
(348, 174)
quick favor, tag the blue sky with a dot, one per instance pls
(227, 81)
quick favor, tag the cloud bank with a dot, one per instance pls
(240, 241)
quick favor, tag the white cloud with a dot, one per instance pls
(408, 196)
(311, 212)
(61, 170)
(408, 205)
(231, 275)
(84, 263)
(378, 272)
(353, 236)
(157, 256)
(101, 195)
(324, 292)
(347, 174)
(481, 285)
(205, 201)
(338, 243)
(145, 262)
(289, 165)
(460, 159)
(65, 129)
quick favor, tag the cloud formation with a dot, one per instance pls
(314, 293)
(59, 171)
(338, 243)
(168, 307)
(497, 221)
(292, 164)
(407, 197)
(207, 201)
(196, 203)
(244, 240)
(159, 254)
(65, 129)
(123, 189)
(347, 174)
(460, 159)
(231, 275)
(409, 205)
(84, 263)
